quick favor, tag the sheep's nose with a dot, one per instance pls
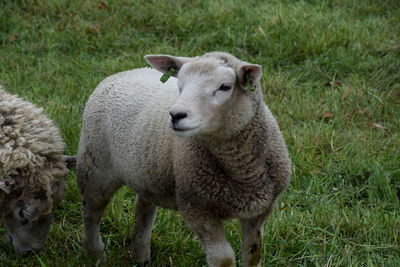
(176, 116)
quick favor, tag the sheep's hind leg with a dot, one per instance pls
(95, 201)
(253, 240)
(145, 213)
(210, 232)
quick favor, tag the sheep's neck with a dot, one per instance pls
(242, 157)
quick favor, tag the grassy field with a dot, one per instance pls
(331, 77)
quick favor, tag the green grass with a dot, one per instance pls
(331, 77)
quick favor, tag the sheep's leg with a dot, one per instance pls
(253, 229)
(145, 213)
(210, 232)
(94, 204)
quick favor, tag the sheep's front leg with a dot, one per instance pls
(210, 232)
(145, 213)
(253, 240)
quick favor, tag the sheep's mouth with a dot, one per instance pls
(184, 131)
(177, 129)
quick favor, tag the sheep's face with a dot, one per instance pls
(214, 99)
(203, 100)
(26, 216)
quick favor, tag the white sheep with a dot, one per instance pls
(31, 167)
(222, 156)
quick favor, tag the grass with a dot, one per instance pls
(331, 77)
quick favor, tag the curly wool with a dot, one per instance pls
(30, 144)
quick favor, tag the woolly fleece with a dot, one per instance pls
(30, 144)
(238, 170)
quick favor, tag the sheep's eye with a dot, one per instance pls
(21, 214)
(224, 87)
(22, 217)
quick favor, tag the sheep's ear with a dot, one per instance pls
(249, 75)
(165, 63)
(10, 184)
(58, 191)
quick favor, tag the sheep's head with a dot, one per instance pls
(27, 211)
(31, 172)
(217, 96)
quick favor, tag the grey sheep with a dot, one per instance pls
(31, 171)
(204, 144)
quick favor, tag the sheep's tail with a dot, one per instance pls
(70, 161)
